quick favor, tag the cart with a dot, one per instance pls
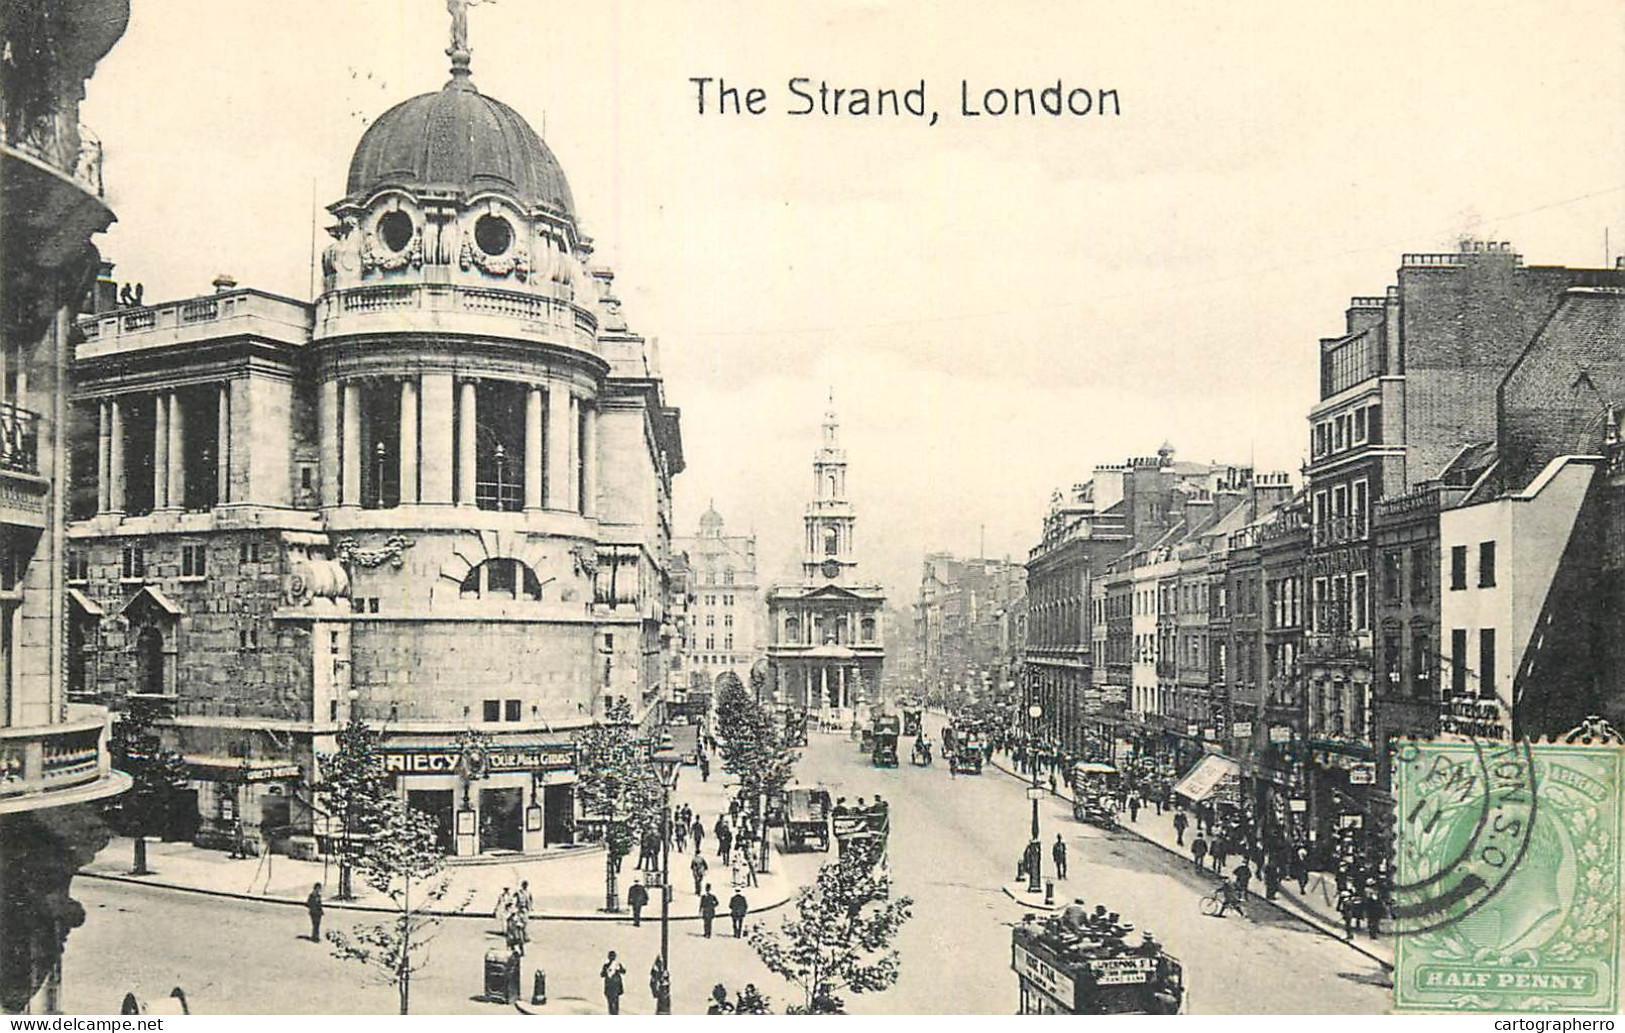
(806, 817)
(920, 756)
(913, 721)
(967, 760)
(1094, 793)
(883, 737)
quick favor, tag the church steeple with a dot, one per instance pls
(830, 520)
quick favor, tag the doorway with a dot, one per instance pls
(558, 814)
(435, 804)
(502, 820)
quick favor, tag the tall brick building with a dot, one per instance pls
(725, 624)
(437, 497)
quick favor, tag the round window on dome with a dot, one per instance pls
(395, 228)
(493, 234)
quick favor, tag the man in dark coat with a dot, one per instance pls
(1243, 876)
(637, 898)
(1180, 823)
(1058, 852)
(725, 840)
(614, 976)
(708, 909)
(313, 905)
(699, 835)
(738, 908)
(1198, 850)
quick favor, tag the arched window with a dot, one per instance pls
(728, 576)
(868, 629)
(502, 578)
(832, 539)
(831, 485)
(792, 630)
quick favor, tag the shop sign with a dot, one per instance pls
(1362, 774)
(272, 773)
(1280, 733)
(1121, 971)
(1207, 733)
(430, 760)
(1192, 730)
(1473, 718)
(1043, 974)
(1242, 729)
(1298, 806)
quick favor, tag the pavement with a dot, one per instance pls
(565, 883)
(1316, 906)
(953, 847)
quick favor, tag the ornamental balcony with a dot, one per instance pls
(1337, 647)
(19, 439)
(242, 312)
(447, 308)
(55, 764)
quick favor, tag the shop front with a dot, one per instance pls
(247, 806)
(506, 797)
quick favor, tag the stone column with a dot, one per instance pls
(558, 447)
(467, 456)
(104, 435)
(436, 423)
(222, 446)
(177, 452)
(533, 447)
(160, 451)
(589, 461)
(115, 457)
(327, 418)
(823, 686)
(350, 493)
(409, 441)
(574, 504)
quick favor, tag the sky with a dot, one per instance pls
(998, 304)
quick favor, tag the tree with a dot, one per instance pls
(352, 786)
(840, 940)
(402, 861)
(617, 783)
(156, 774)
(753, 749)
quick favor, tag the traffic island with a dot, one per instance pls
(1044, 900)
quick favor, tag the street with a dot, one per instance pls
(954, 842)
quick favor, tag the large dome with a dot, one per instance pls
(462, 140)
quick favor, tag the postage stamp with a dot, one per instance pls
(1507, 877)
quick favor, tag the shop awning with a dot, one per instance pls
(237, 769)
(1206, 777)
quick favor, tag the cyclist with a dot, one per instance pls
(1230, 896)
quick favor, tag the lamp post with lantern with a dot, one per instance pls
(667, 767)
(1035, 849)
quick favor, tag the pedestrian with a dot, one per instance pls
(313, 905)
(1058, 851)
(523, 902)
(1198, 850)
(1134, 807)
(1243, 876)
(1300, 869)
(1348, 905)
(1180, 824)
(1217, 851)
(500, 913)
(708, 909)
(738, 908)
(697, 867)
(614, 975)
(1052, 782)
(1373, 908)
(725, 839)
(637, 897)
(719, 1001)
(660, 986)
(680, 834)
(1156, 798)
(699, 835)
(1272, 876)
(705, 768)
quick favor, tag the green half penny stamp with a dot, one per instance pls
(1507, 877)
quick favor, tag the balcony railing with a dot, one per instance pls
(1340, 530)
(498, 495)
(1352, 646)
(19, 439)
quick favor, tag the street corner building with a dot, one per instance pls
(826, 640)
(54, 762)
(437, 498)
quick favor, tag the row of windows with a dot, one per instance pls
(1342, 513)
(1340, 603)
(711, 620)
(133, 561)
(711, 600)
(1421, 573)
(1348, 430)
(1486, 566)
(1464, 680)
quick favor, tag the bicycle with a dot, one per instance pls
(1220, 901)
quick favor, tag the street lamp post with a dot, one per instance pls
(1035, 863)
(667, 766)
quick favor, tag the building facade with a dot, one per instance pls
(438, 498)
(54, 762)
(826, 642)
(726, 623)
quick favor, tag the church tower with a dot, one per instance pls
(830, 521)
(826, 640)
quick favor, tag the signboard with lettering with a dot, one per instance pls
(433, 760)
(1362, 774)
(1280, 733)
(1472, 718)
(1242, 729)
(1121, 971)
(1049, 979)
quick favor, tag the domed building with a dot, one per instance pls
(438, 497)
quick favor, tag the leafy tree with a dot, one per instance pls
(618, 783)
(352, 787)
(840, 940)
(753, 749)
(156, 774)
(402, 861)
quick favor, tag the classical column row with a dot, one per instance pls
(560, 432)
(169, 435)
